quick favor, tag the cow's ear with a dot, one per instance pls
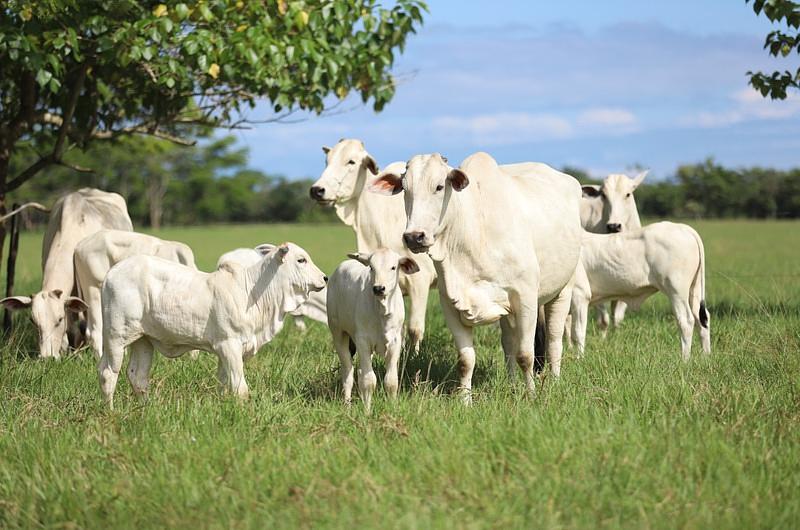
(283, 249)
(264, 248)
(387, 184)
(361, 257)
(458, 179)
(591, 191)
(16, 302)
(75, 304)
(408, 265)
(326, 149)
(370, 164)
(56, 293)
(639, 178)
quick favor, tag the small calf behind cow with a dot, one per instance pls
(631, 266)
(365, 316)
(150, 303)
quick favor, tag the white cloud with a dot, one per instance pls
(608, 117)
(748, 105)
(504, 128)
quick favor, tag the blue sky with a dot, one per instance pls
(598, 85)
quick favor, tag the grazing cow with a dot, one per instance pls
(74, 216)
(96, 254)
(314, 308)
(631, 266)
(150, 303)
(366, 312)
(504, 241)
(377, 221)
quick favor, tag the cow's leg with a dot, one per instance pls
(391, 381)
(94, 321)
(230, 369)
(705, 332)
(509, 343)
(141, 359)
(568, 329)
(603, 319)
(341, 342)
(618, 308)
(367, 381)
(299, 324)
(556, 312)
(527, 315)
(109, 366)
(419, 286)
(464, 344)
(580, 317)
(683, 314)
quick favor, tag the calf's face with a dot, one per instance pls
(346, 167)
(619, 205)
(49, 315)
(384, 269)
(428, 183)
(297, 267)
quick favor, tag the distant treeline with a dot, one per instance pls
(167, 184)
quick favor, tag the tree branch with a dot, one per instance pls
(24, 206)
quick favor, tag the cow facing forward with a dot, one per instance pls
(504, 241)
(365, 315)
(631, 266)
(150, 303)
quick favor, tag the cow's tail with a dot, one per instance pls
(698, 289)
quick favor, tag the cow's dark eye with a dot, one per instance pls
(60, 320)
(628, 195)
(394, 268)
(351, 162)
(301, 260)
(440, 187)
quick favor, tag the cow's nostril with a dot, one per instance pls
(378, 289)
(317, 192)
(413, 239)
(614, 227)
(325, 278)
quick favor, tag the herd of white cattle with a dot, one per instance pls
(519, 244)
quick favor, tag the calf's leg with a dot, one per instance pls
(391, 381)
(367, 381)
(141, 359)
(230, 370)
(341, 341)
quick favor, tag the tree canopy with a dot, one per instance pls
(80, 70)
(780, 43)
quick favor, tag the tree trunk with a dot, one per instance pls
(156, 189)
(4, 161)
(11, 270)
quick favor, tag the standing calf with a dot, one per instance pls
(151, 303)
(365, 312)
(631, 266)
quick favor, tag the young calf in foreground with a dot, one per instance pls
(150, 303)
(365, 311)
(631, 266)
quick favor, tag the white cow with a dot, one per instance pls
(609, 208)
(314, 308)
(631, 266)
(74, 216)
(150, 303)
(377, 221)
(96, 254)
(503, 240)
(365, 315)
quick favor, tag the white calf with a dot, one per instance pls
(150, 303)
(365, 315)
(631, 266)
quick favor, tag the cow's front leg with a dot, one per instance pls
(230, 370)
(466, 353)
(509, 343)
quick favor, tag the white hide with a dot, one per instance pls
(608, 208)
(314, 308)
(631, 266)
(150, 303)
(378, 221)
(504, 240)
(365, 309)
(73, 217)
(96, 254)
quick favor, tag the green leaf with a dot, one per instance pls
(43, 77)
(181, 11)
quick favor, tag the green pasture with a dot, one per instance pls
(629, 436)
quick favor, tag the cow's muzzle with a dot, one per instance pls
(415, 242)
(613, 228)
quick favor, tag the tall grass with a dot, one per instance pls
(628, 437)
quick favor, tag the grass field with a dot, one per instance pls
(628, 437)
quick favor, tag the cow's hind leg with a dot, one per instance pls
(230, 370)
(109, 366)
(683, 314)
(141, 360)
(556, 312)
(603, 319)
(509, 342)
(618, 309)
